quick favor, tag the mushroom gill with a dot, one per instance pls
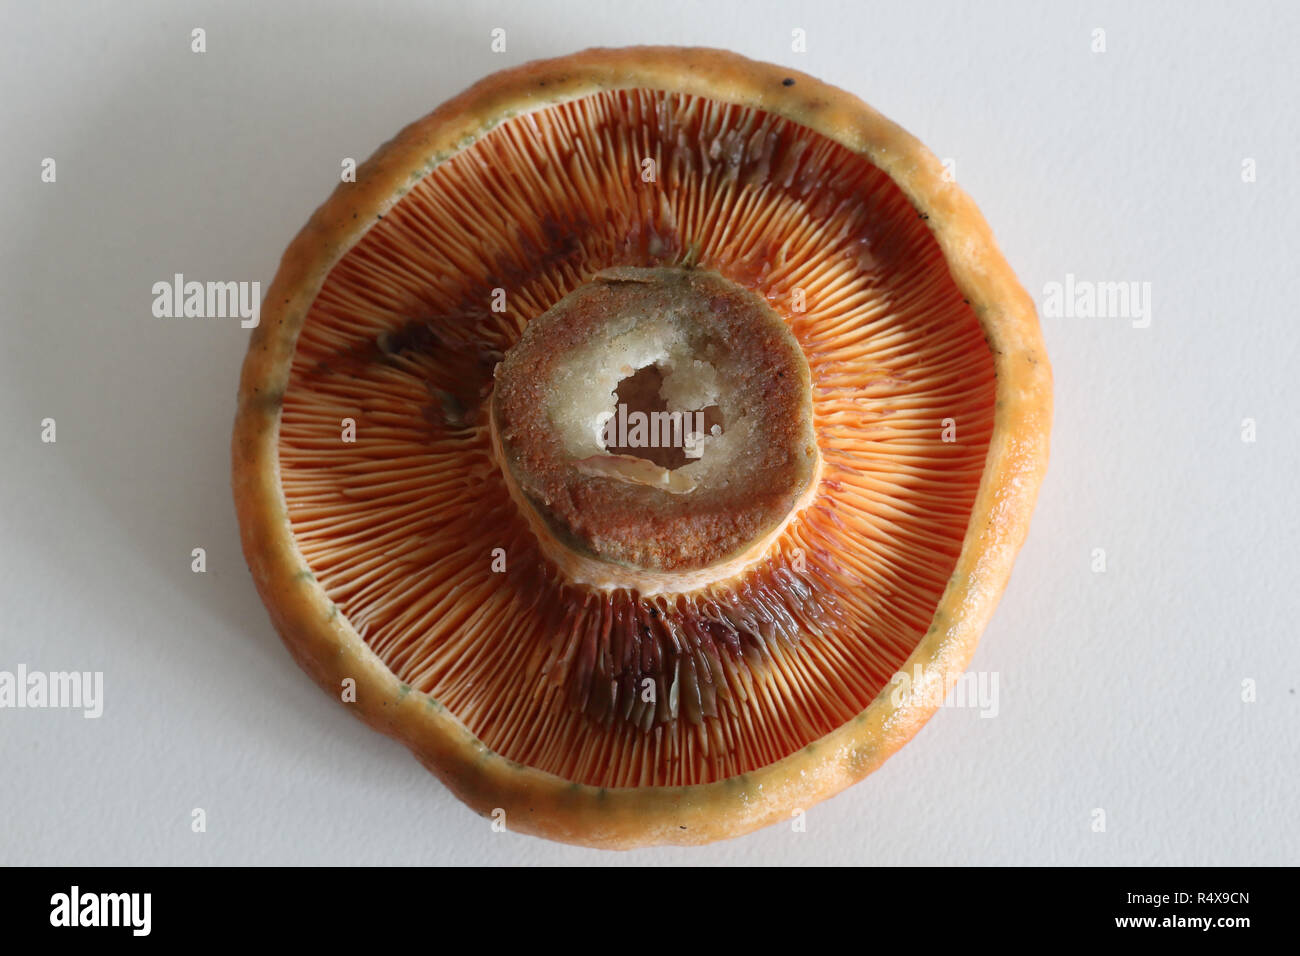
(413, 531)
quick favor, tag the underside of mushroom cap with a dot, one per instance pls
(401, 525)
(623, 710)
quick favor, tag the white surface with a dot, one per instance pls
(1119, 690)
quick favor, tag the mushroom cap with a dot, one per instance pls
(522, 689)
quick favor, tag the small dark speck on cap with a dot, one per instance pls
(788, 81)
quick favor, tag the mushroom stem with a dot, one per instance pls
(678, 342)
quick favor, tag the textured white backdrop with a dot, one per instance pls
(1120, 690)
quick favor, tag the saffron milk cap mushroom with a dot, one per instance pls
(627, 428)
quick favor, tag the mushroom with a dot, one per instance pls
(615, 639)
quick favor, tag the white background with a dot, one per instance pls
(1119, 690)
